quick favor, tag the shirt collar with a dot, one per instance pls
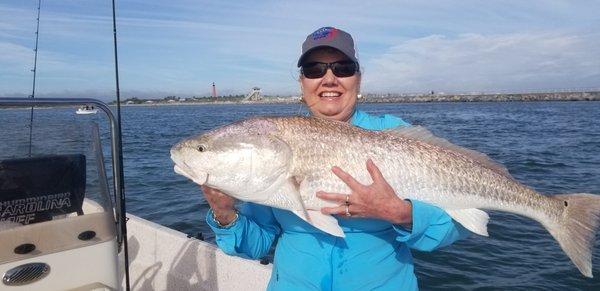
(358, 117)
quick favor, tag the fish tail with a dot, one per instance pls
(576, 231)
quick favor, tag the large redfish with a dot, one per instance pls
(283, 161)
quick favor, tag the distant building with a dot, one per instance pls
(254, 95)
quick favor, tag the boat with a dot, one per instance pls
(87, 109)
(70, 236)
(63, 220)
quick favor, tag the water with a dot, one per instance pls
(550, 146)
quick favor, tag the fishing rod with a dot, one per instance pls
(121, 203)
(37, 36)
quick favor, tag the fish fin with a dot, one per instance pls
(285, 195)
(472, 219)
(324, 222)
(424, 135)
(294, 182)
(576, 232)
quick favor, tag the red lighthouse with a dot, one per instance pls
(214, 90)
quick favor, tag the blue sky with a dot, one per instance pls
(181, 47)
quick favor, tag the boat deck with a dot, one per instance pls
(165, 259)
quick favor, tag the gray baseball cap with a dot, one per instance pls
(329, 37)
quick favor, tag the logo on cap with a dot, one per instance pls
(324, 33)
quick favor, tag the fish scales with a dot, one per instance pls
(417, 170)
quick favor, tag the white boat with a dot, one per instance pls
(87, 109)
(61, 235)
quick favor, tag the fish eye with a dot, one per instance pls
(201, 148)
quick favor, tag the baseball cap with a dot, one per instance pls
(329, 37)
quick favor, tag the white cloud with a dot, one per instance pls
(475, 62)
(14, 54)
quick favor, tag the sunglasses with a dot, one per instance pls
(340, 69)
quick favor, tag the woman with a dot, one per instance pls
(379, 226)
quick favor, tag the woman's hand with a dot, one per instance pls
(377, 200)
(222, 205)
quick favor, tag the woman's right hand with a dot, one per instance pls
(222, 205)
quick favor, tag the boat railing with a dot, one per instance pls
(116, 151)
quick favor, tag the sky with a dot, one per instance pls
(182, 47)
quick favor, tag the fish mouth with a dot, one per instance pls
(182, 168)
(198, 178)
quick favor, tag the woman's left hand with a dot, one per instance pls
(377, 200)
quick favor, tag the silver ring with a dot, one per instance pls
(347, 199)
(348, 211)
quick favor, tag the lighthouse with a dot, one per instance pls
(214, 90)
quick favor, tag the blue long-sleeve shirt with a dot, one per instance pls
(374, 254)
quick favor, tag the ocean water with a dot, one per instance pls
(553, 147)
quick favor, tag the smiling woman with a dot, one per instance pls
(376, 227)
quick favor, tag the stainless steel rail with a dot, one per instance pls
(117, 163)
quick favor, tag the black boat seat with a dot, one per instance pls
(40, 188)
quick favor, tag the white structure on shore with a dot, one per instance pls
(254, 95)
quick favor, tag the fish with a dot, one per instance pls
(283, 162)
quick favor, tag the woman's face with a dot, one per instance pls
(330, 97)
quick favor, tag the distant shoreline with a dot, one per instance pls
(373, 98)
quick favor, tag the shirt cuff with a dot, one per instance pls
(422, 214)
(233, 227)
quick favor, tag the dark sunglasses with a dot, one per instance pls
(340, 69)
